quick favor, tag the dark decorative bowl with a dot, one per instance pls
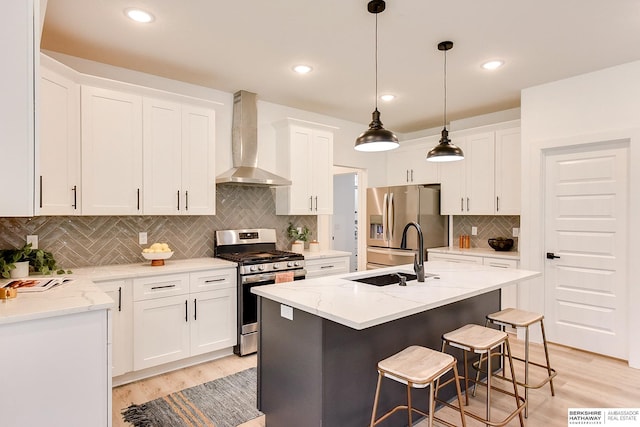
(501, 243)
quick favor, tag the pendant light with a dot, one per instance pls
(445, 151)
(376, 138)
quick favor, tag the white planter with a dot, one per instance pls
(21, 270)
(297, 246)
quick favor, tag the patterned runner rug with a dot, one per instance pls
(225, 402)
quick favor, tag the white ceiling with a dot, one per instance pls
(252, 44)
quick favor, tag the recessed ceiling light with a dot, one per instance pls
(139, 15)
(302, 69)
(387, 97)
(492, 65)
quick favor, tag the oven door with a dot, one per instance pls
(248, 309)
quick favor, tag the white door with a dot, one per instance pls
(585, 227)
(213, 320)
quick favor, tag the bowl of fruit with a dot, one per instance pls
(157, 253)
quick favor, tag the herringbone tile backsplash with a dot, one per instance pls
(488, 227)
(80, 241)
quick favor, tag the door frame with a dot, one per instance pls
(531, 295)
(325, 223)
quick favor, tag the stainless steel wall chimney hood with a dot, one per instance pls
(244, 146)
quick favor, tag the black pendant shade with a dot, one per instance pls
(376, 138)
(445, 151)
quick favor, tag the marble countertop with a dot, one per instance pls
(82, 294)
(480, 252)
(77, 296)
(359, 306)
(142, 269)
(309, 255)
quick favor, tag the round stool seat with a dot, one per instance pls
(475, 338)
(515, 318)
(416, 364)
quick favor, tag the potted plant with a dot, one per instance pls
(300, 235)
(38, 260)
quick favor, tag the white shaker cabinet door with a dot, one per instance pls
(58, 177)
(121, 293)
(213, 320)
(198, 161)
(162, 136)
(111, 152)
(160, 331)
(508, 172)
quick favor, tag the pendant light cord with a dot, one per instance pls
(445, 89)
(376, 51)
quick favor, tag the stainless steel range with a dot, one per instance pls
(259, 263)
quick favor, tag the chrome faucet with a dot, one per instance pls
(418, 259)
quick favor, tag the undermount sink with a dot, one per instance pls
(385, 279)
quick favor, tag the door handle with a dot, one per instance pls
(551, 255)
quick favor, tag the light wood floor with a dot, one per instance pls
(584, 380)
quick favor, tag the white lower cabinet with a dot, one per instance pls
(326, 266)
(465, 259)
(182, 315)
(121, 325)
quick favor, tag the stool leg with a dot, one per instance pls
(432, 404)
(459, 393)
(466, 378)
(546, 355)
(375, 401)
(526, 372)
(489, 386)
(513, 380)
(409, 404)
(475, 384)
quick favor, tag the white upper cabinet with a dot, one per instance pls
(408, 165)
(487, 181)
(178, 157)
(508, 179)
(111, 152)
(58, 178)
(468, 185)
(17, 140)
(305, 156)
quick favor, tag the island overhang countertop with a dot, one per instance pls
(359, 306)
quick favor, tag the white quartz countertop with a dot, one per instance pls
(77, 296)
(359, 306)
(142, 269)
(311, 255)
(479, 252)
(82, 294)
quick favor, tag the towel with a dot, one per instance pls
(284, 277)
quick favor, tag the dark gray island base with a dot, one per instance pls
(314, 372)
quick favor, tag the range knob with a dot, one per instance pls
(290, 264)
(253, 268)
(261, 267)
(276, 266)
(297, 264)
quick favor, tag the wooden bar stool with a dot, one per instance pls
(516, 318)
(417, 367)
(482, 340)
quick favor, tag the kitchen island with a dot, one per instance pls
(320, 339)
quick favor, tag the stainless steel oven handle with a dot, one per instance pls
(269, 277)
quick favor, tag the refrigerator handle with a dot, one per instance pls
(385, 204)
(391, 216)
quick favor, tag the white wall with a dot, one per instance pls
(594, 107)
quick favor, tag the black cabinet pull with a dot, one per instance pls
(40, 190)
(120, 298)
(178, 199)
(75, 197)
(461, 204)
(195, 309)
(411, 175)
(467, 204)
(186, 310)
(316, 203)
(407, 175)
(497, 204)
(163, 287)
(138, 193)
(551, 255)
(311, 203)
(186, 200)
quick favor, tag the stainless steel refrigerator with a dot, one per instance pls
(389, 209)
